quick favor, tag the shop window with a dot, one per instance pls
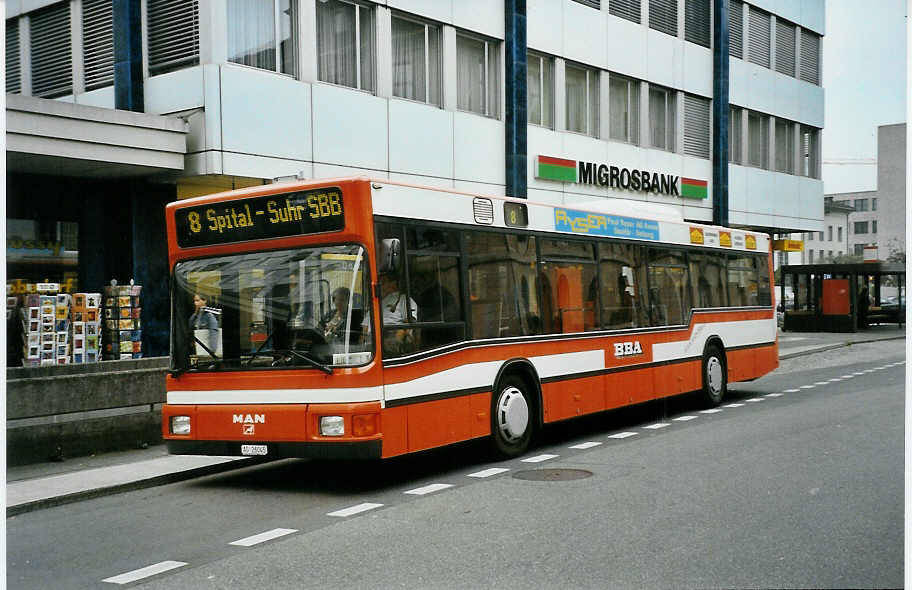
(540, 85)
(624, 109)
(263, 34)
(173, 35)
(346, 44)
(582, 87)
(477, 76)
(416, 61)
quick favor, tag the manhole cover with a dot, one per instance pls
(552, 474)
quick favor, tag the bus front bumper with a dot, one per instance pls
(371, 449)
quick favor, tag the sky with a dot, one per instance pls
(864, 81)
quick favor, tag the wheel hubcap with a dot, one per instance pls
(714, 375)
(512, 414)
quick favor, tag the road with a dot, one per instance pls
(802, 489)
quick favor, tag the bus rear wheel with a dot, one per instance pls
(512, 421)
(715, 375)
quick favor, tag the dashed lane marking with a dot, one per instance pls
(145, 572)
(835, 379)
(847, 376)
(352, 510)
(657, 426)
(623, 435)
(489, 472)
(539, 458)
(796, 390)
(773, 395)
(429, 489)
(585, 445)
(262, 537)
(685, 418)
(711, 411)
(858, 373)
(736, 405)
(807, 387)
(754, 399)
(821, 383)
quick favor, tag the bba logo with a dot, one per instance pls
(622, 349)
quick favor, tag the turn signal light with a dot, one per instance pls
(365, 425)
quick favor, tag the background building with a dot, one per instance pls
(465, 94)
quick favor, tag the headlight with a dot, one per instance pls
(180, 424)
(332, 426)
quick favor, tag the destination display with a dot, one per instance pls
(274, 216)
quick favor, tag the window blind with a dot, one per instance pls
(50, 49)
(98, 43)
(810, 57)
(696, 125)
(697, 22)
(13, 68)
(736, 29)
(758, 40)
(173, 32)
(663, 16)
(785, 48)
(626, 9)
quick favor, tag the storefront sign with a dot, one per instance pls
(579, 172)
(750, 242)
(725, 239)
(16, 247)
(696, 235)
(274, 216)
(788, 245)
(595, 224)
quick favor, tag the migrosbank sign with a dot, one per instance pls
(563, 170)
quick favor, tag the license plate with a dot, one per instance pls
(253, 450)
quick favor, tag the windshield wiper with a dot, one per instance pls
(325, 368)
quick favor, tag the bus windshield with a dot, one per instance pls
(305, 308)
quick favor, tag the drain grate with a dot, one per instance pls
(552, 474)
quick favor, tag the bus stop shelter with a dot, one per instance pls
(832, 297)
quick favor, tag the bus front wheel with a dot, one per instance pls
(715, 378)
(511, 418)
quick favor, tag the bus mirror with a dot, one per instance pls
(388, 257)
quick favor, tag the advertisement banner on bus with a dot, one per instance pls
(596, 224)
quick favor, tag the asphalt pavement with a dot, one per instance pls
(42, 485)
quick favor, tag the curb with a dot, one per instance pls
(826, 347)
(139, 484)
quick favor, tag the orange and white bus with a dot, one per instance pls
(364, 318)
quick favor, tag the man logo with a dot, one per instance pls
(622, 349)
(248, 419)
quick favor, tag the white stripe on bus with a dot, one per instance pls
(328, 395)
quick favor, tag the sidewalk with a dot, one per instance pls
(42, 485)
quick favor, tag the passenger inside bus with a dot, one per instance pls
(396, 306)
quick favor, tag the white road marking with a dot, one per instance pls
(868, 371)
(735, 405)
(835, 379)
(539, 458)
(859, 373)
(145, 572)
(847, 376)
(774, 395)
(355, 509)
(623, 435)
(429, 489)
(489, 472)
(821, 383)
(262, 537)
(806, 387)
(754, 399)
(685, 418)
(585, 445)
(657, 426)
(711, 411)
(792, 390)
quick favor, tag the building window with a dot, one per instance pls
(785, 48)
(13, 68)
(874, 226)
(663, 16)
(98, 43)
(582, 99)
(345, 44)
(785, 150)
(477, 76)
(416, 61)
(696, 126)
(662, 111)
(624, 109)
(830, 254)
(736, 29)
(809, 66)
(697, 22)
(173, 32)
(540, 85)
(810, 152)
(874, 204)
(626, 9)
(758, 39)
(811, 256)
(253, 28)
(830, 233)
(734, 135)
(591, 3)
(820, 236)
(861, 204)
(859, 249)
(839, 233)
(861, 227)
(50, 51)
(758, 140)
